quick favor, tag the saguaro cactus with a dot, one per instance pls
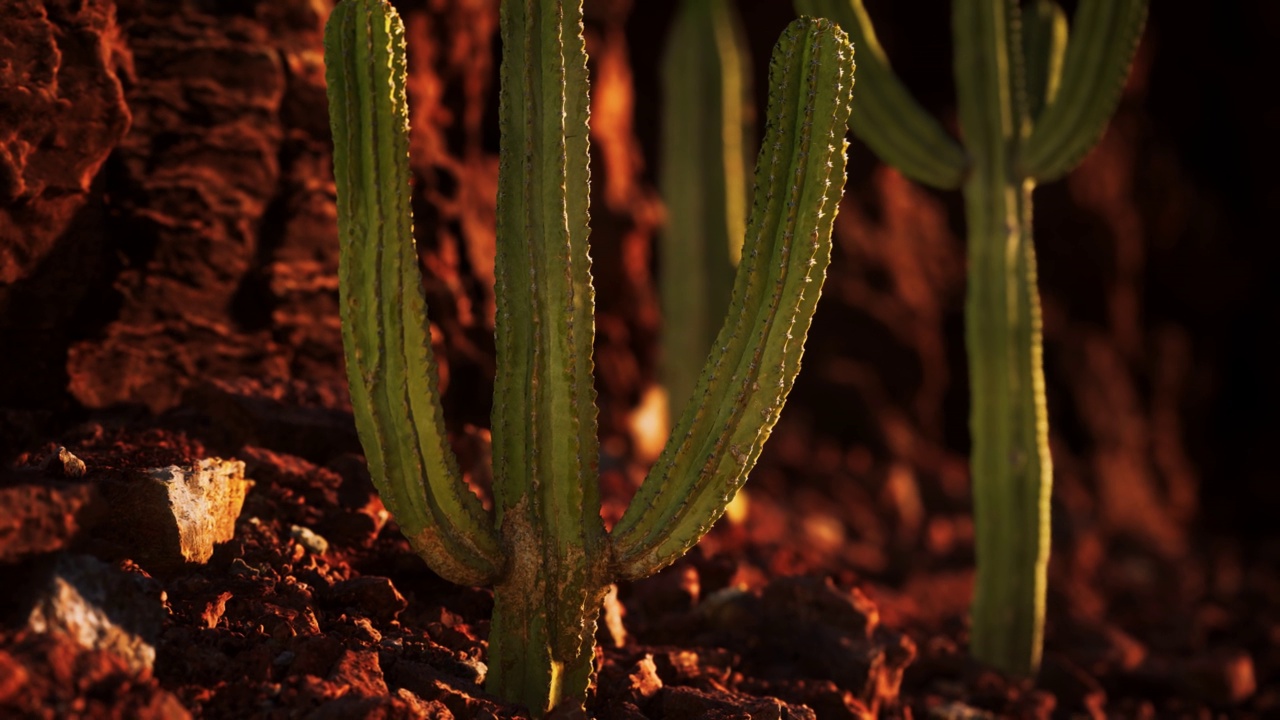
(544, 548)
(1031, 104)
(706, 132)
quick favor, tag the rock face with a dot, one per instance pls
(62, 111)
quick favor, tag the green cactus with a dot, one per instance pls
(544, 548)
(706, 134)
(1031, 104)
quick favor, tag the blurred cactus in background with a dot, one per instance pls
(707, 135)
(1032, 101)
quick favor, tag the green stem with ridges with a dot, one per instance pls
(385, 336)
(756, 355)
(706, 88)
(544, 430)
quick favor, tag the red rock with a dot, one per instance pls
(39, 516)
(98, 607)
(62, 464)
(315, 656)
(13, 676)
(644, 678)
(214, 609)
(376, 596)
(64, 113)
(359, 673)
(686, 703)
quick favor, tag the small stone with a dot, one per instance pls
(376, 596)
(421, 708)
(811, 599)
(360, 672)
(644, 679)
(214, 609)
(284, 659)
(313, 542)
(62, 464)
(99, 607)
(366, 632)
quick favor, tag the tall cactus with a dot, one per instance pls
(1031, 104)
(544, 548)
(706, 132)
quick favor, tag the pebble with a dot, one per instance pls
(62, 464)
(310, 540)
(376, 596)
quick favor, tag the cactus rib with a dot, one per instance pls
(390, 365)
(757, 353)
(885, 115)
(1103, 40)
(1044, 36)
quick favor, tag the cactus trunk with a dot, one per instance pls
(530, 662)
(545, 451)
(1010, 462)
(706, 132)
(1010, 466)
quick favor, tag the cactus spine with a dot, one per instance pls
(1031, 104)
(544, 548)
(706, 81)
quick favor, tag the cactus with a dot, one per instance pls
(1031, 104)
(706, 132)
(544, 548)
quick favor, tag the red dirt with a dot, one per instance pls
(168, 257)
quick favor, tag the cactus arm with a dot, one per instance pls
(391, 370)
(985, 99)
(1044, 35)
(706, 80)
(757, 353)
(885, 115)
(1104, 38)
(544, 423)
